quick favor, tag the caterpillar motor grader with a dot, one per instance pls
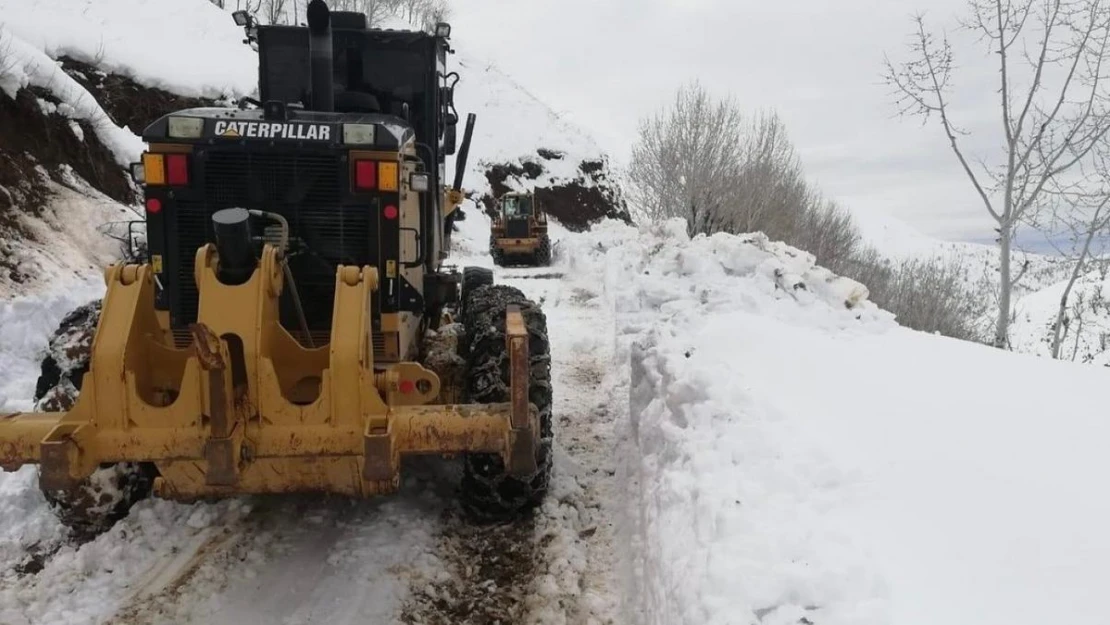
(518, 232)
(277, 336)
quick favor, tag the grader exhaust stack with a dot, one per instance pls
(234, 361)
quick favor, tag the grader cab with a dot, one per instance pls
(518, 232)
(286, 329)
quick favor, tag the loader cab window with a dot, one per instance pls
(516, 206)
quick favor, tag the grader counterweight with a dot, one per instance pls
(274, 339)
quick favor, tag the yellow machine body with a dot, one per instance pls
(245, 408)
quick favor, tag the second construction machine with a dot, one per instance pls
(292, 327)
(518, 232)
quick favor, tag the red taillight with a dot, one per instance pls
(154, 206)
(366, 175)
(177, 169)
(390, 212)
(406, 386)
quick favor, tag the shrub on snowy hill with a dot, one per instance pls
(706, 163)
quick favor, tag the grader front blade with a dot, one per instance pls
(245, 408)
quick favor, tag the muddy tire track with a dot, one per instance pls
(489, 572)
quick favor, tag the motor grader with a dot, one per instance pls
(518, 231)
(285, 329)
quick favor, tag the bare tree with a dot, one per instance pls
(248, 6)
(704, 162)
(1049, 125)
(687, 160)
(431, 12)
(1082, 211)
(7, 59)
(273, 11)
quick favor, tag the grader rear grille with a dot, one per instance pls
(307, 188)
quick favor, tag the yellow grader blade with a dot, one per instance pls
(246, 409)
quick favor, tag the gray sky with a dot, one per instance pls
(606, 64)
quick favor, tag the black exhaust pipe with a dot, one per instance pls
(234, 245)
(464, 152)
(320, 56)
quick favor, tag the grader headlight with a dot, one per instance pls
(185, 127)
(358, 134)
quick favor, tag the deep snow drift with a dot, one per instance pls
(798, 458)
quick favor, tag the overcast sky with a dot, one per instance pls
(606, 64)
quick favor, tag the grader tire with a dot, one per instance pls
(106, 496)
(67, 359)
(488, 492)
(94, 505)
(472, 279)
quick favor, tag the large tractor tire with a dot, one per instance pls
(105, 497)
(473, 278)
(543, 252)
(489, 493)
(98, 501)
(496, 253)
(67, 359)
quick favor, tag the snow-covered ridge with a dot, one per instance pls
(188, 47)
(25, 65)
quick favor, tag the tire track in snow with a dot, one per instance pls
(579, 583)
(309, 559)
(89, 583)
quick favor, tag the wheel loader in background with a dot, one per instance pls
(518, 233)
(285, 332)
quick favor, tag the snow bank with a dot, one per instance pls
(188, 47)
(23, 65)
(800, 459)
(26, 324)
(725, 519)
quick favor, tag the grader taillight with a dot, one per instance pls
(165, 169)
(375, 175)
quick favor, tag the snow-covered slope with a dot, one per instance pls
(188, 47)
(1086, 332)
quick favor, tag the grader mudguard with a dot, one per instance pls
(246, 409)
